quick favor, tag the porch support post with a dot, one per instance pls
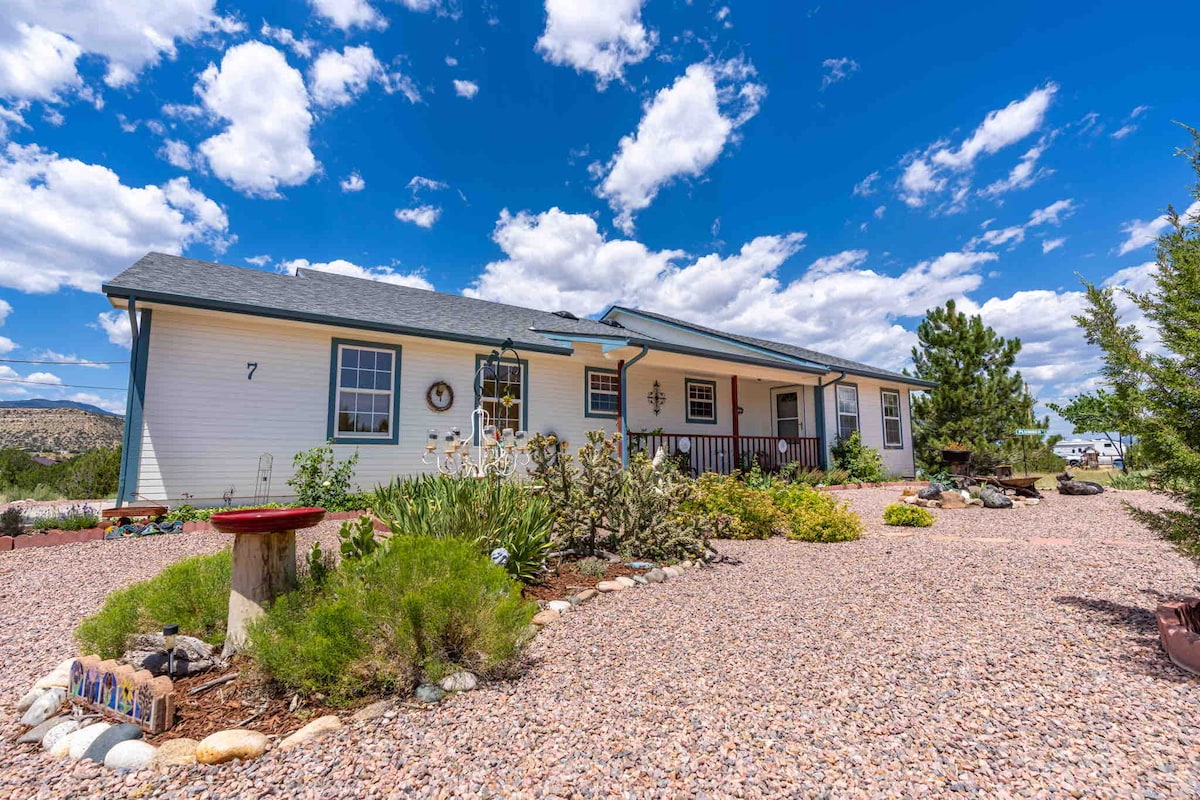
(621, 397)
(819, 408)
(737, 443)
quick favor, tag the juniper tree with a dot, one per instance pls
(1156, 385)
(979, 398)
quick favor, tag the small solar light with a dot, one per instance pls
(170, 632)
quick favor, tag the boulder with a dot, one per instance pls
(59, 676)
(639, 580)
(318, 727)
(59, 732)
(685, 565)
(34, 735)
(910, 499)
(953, 500)
(29, 698)
(192, 655)
(1079, 488)
(561, 606)
(430, 693)
(227, 745)
(609, 586)
(546, 617)
(672, 572)
(626, 581)
(459, 682)
(656, 576)
(373, 711)
(131, 754)
(587, 594)
(44, 707)
(993, 498)
(176, 753)
(931, 492)
(124, 732)
(79, 741)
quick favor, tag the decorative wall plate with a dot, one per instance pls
(440, 397)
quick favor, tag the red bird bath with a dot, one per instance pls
(264, 561)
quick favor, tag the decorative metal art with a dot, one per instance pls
(487, 451)
(657, 398)
(262, 483)
(439, 397)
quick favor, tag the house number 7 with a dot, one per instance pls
(251, 366)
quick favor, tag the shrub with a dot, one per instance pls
(12, 522)
(732, 509)
(814, 516)
(358, 539)
(907, 516)
(490, 513)
(75, 518)
(192, 593)
(592, 567)
(1139, 479)
(419, 609)
(862, 462)
(186, 512)
(323, 481)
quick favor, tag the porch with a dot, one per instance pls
(723, 454)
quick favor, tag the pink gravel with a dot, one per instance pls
(915, 666)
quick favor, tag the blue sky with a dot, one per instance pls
(819, 173)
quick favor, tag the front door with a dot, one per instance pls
(787, 414)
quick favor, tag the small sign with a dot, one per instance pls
(1031, 431)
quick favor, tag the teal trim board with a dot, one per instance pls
(135, 403)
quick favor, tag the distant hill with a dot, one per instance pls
(41, 402)
(58, 429)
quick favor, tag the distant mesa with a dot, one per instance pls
(60, 427)
(41, 402)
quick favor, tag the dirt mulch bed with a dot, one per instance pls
(566, 579)
(241, 703)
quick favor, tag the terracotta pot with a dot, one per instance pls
(1177, 626)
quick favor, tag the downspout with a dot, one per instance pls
(819, 405)
(624, 417)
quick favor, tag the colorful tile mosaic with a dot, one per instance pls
(120, 691)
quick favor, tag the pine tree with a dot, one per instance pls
(979, 399)
(1156, 388)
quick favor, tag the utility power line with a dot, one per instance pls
(63, 385)
(60, 363)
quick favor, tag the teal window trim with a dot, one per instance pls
(331, 433)
(588, 372)
(837, 409)
(884, 418)
(687, 401)
(480, 358)
(135, 403)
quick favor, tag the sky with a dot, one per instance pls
(817, 172)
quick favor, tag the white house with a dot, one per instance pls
(229, 364)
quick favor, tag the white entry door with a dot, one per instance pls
(788, 419)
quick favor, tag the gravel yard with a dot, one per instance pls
(996, 654)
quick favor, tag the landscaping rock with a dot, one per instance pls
(1032, 501)
(318, 727)
(29, 698)
(228, 745)
(587, 594)
(561, 606)
(546, 617)
(992, 498)
(430, 693)
(373, 711)
(59, 732)
(35, 734)
(626, 581)
(609, 586)
(953, 500)
(672, 572)
(931, 492)
(176, 753)
(656, 576)
(124, 732)
(192, 656)
(60, 676)
(44, 707)
(79, 741)
(976, 502)
(685, 564)
(640, 580)
(910, 499)
(131, 754)
(459, 682)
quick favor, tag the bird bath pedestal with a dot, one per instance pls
(264, 562)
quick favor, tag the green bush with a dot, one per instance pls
(1137, 479)
(90, 474)
(321, 481)
(12, 522)
(192, 593)
(814, 516)
(864, 463)
(732, 509)
(491, 513)
(907, 516)
(417, 610)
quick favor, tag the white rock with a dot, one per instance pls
(58, 733)
(626, 581)
(318, 727)
(561, 606)
(81, 740)
(29, 698)
(44, 707)
(459, 682)
(130, 754)
(59, 676)
(227, 745)
(610, 586)
(672, 572)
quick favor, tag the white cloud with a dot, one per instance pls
(1141, 233)
(347, 14)
(45, 378)
(353, 183)
(266, 144)
(349, 269)
(114, 405)
(258, 261)
(602, 37)
(1123, 131)
(69, 360)
(421, 216)
(683, 130)
(115, 325)
(866, 186)
(1023, 175)
(1052, 214)
(558, 260)
(467, 89)
(302, 46)
(1050, 245)
(336, 79)
(67, 223)
(879, 211)
(178, 154)
(928, 172)
(40, 41)
(1138, 111)
(419, 184)
(837, 70)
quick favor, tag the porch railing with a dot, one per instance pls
(724, 454)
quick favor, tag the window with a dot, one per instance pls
(365, 393)
(893, 435)
(787, 414)
(847, 409)
(701, 401)
(503, 393)
(603, 393)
